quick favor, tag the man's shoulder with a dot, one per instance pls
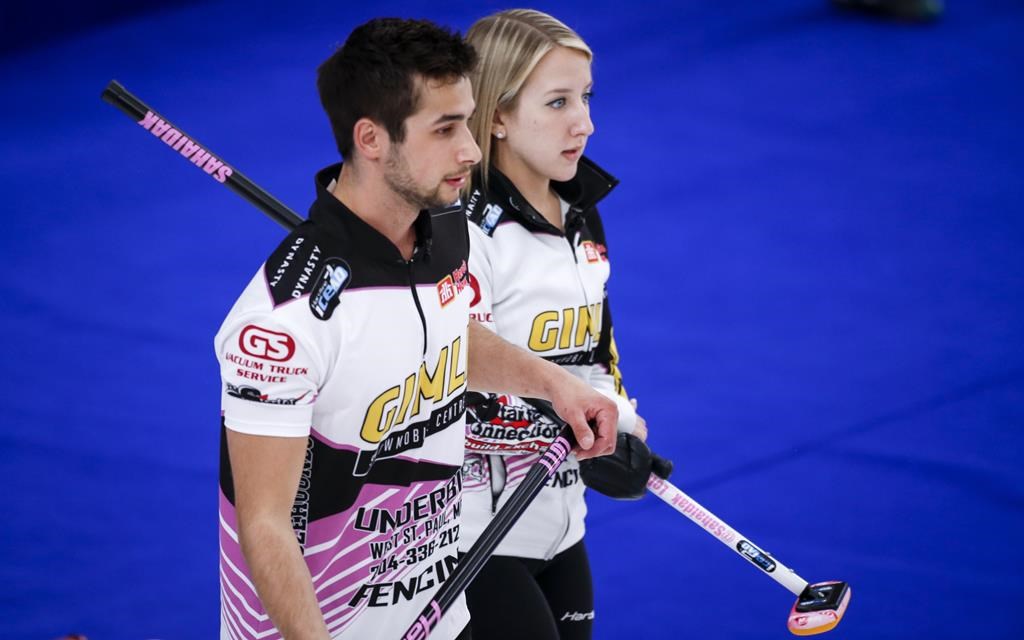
(306, 264)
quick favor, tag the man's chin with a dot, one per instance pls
(445, 197)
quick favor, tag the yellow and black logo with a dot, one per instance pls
(569, 328)
(393, 405)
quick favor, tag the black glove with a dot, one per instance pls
(481, 407)
(623, 475)
(661, 467)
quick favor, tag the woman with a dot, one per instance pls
(539, 267)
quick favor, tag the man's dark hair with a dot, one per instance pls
(372, 74)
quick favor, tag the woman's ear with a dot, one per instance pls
(498, 126)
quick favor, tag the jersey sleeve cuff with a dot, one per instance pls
(627, 414)
(259, 419)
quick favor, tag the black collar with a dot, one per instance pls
(337, 219)
(588, 187)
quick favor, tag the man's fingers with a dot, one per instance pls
(601, 428)
(591, 415)
(605, 423)
(584, 435)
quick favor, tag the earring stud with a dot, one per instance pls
(500, 135)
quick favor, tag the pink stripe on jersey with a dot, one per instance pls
(515, 463)
(332, 444)
(518, 466)
(356, 558)
(437, 569)
(228, 544)
(240, 605)
(386, 523)
(244, 622)
(475, 484)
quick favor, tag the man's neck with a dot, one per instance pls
(379, 207)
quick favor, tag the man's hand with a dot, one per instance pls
(500, 367)
(581, 406)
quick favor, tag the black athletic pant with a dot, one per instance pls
(524, 598)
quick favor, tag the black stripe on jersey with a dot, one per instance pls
(335, 488)
(413, 435)
(294, 266)
(580, 357)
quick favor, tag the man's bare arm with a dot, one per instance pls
(266, 473)
(498, 366)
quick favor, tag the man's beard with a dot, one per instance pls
(398, 179)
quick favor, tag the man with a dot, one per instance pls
(346, 360)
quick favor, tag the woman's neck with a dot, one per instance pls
(536, 189)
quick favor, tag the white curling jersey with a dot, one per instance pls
(543, 290)
(339, 340)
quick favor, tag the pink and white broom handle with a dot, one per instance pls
(728, 536)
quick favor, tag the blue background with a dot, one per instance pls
(818, 289)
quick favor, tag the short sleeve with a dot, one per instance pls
(270, 376)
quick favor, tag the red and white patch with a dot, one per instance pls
(446, 290)
(266, 344)
(461, 277)
(453, 284)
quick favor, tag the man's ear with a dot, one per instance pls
(369, 139)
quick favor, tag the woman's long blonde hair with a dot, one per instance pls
(509, 45)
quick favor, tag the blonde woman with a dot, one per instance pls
(539, 266)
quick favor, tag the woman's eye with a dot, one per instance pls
(557, 104)
(587, 97)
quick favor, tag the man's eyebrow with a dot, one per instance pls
(449, 117)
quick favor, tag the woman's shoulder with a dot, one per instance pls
(486, 204)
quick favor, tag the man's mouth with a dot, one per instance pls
(457, 181)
